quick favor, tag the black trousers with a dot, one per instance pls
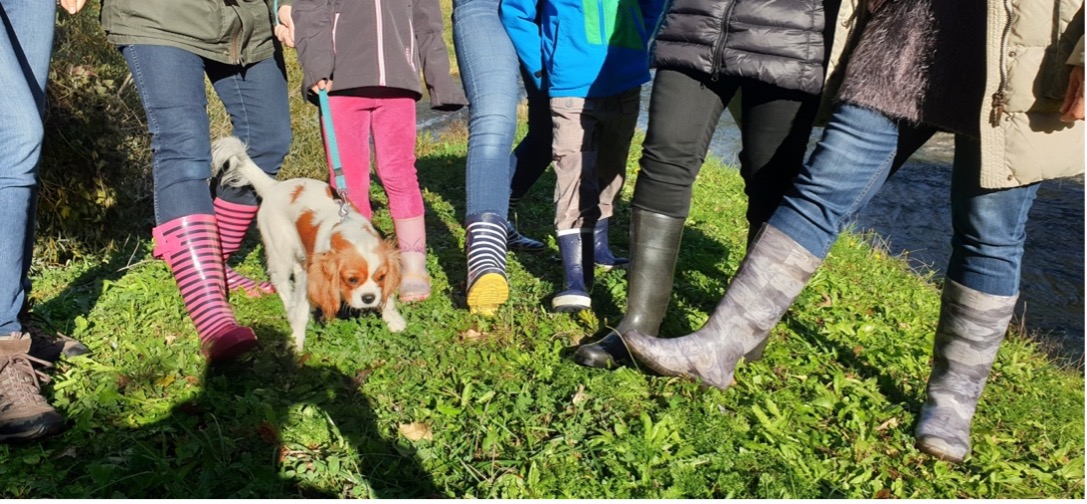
(533, 155)
(684, 110)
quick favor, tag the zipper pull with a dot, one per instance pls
(998, 109)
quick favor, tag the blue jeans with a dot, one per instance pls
(859, 150)
(26, 41)
(488, 68)
(171, 86)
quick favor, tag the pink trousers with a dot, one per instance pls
(389, 116)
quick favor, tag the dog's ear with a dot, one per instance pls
(390, 285)
(324, 283)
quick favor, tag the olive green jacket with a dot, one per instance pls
(237, 32)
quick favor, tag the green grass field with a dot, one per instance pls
(463, 406)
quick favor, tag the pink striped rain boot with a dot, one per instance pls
(234, 220)
(190, 246)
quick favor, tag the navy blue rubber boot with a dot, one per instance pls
(577, 252)
(601, 250)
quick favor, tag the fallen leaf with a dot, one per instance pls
(68, 452)
(580, 396)
(194, 381)
(170, 338)
(883, 494)
(415, 431)
(889, 424)
(268, 433)
(361, 376)
(827, 302)
(858, 350)
(471, 335)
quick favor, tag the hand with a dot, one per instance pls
(1072, 108)
(285, 28)
(322, 84)
(72, 6)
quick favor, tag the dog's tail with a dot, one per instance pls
(230, 161)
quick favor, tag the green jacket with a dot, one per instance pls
(236, 32)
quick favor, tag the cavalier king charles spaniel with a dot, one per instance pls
(332, 252)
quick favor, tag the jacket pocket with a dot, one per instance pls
(200, 21)
(1055, 70)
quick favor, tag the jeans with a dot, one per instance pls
(488, 67)
(171, 86)
(389, 115)
(26, 41)
(684, 111)
(859, 150)
(532, 156)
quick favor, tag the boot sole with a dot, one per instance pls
(571, 303)
(489, 292)
(48, 427)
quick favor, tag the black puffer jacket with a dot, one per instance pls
(780, 42)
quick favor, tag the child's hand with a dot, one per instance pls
(1072, 108)
(285, 29)
(322, 84)
(72, 6)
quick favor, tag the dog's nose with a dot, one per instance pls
(368, 298)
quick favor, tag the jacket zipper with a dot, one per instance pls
(1000, 98)
(235, 51)
(380, 45)
(719, 47)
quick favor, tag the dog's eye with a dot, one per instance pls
(353, 280)
(379, 277)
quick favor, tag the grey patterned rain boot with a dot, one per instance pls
(770, 278)
(972, 325)
(654, 249)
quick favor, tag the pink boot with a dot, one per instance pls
(234, 220)
(414, 280)
(190, 246)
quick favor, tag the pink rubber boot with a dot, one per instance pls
(414, 280)
(234, 220)
(190, 246)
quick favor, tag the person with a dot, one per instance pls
(488, 70)
(169, 48)
(529, 160)
(593, 80)
(996, 78)
(706, 53)
(376, 87)
(26, 44)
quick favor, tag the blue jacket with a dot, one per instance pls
(583, 48)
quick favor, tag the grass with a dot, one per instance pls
(463, 406)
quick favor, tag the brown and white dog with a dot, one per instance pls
(333, 253)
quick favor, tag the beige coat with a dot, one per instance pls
(1022, 138)
(1023, 141)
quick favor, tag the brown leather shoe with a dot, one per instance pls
(24, 413)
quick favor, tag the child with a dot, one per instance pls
(593, 78)
(372, 52)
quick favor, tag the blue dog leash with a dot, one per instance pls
(333, 150)
(330, 137)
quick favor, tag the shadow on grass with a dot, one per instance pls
(227, 441)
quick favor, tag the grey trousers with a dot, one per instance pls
(591, 143)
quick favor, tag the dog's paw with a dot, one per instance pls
(395, 322)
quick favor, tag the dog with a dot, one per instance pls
(333, 254)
